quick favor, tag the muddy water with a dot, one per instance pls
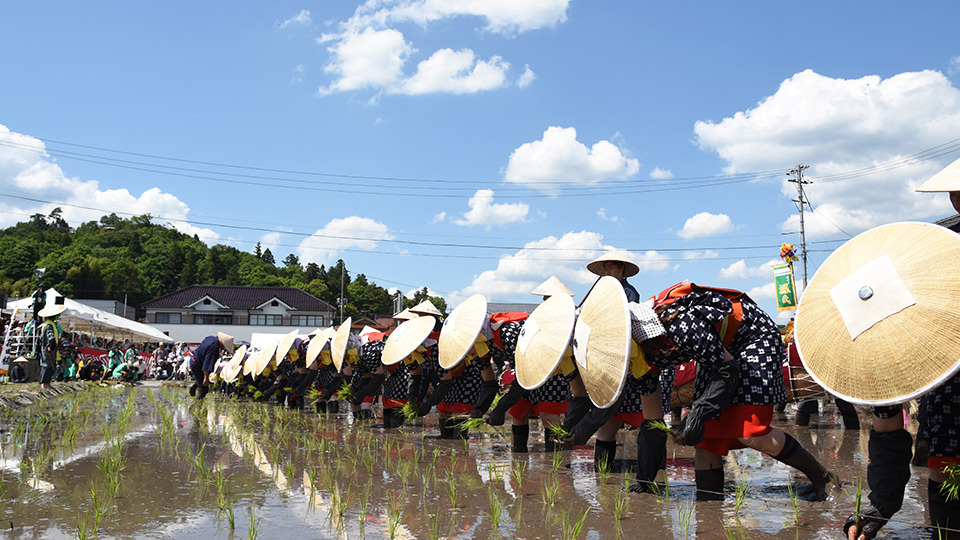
(285, 475)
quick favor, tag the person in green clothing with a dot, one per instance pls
(113, 360)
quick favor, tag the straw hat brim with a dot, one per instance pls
(317, 341)
(285, 345)
(552, 286)
(903, 355)
(405, 339)
(338, 347)
(946, 180)
(226, 341)
(601, 340)
(630, 268)
(52, 311)
(405, 315)
(425, 308)
(543, 340)
(460, 331)
(233, 367)
(263, 359)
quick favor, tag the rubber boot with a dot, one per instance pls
(321, 407)
(295, 403)
(363, 415)
(851, 420)
(269, 392)
(193, 390)
(333, 407)
(804, 410)
(392, 418)
(446, 429)
(709, 484)
(943, 515)
(202, 392)
(521, 434)
(799, 458)
(651, 457)
(459, 430)
(604, 455)
(576, 410)
(549, 443)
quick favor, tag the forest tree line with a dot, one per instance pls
(135, 260)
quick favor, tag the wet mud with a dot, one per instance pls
(154, 463)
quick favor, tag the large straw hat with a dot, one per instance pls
(552, 286)
(21, 360)
(543, 340)
(338, 347)
(601, 342)
(460, 331)
(317, 341)
(286, 343)
(405, 315)
(879, 324)
(426, 308)
(52, 311)
(629, 267)
(405, 339)
(226, 340)
(230, 371)
(263, 359)
(946, 180)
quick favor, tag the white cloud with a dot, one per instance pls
(502, 16)
(602, 214)
(661, 174)
(954, 66)
(367, 59)
(296, 76)
(483, 211)
(300, 18)
(740, 270)
(413, 292)
(652, 261)
(26, 169)
(559, 158)
(705, 224)
(438, 218)
(763, 292)
(455, 72)
(340, 234)
(700, 255)
(527, 78)
(842, 125)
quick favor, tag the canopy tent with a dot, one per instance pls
(89, 320)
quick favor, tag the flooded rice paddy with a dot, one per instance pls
(154, 463)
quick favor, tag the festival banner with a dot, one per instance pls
(783, 283)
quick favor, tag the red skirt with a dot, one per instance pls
(939, 462)
(389, 403)
(630, 418)
(736, 422)
(455, 408)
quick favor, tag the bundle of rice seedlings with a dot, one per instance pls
(410, 411)
(345, 393)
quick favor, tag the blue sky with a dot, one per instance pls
(481, 146)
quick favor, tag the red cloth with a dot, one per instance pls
(736, 422)
(520, 409)
(939, 462)
(497, 320)
(634, 419)
(389, 403)
(685, 373)
(455, 408)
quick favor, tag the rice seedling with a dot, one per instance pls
(950, 487)
(394, 515)
(662, 426)
(742, 491)
(684, 517)
(435, 522)
(794, 500)
(550, 489)
(83, 523)
(570, 530)
(436, 455)
(858, 503)
(557, 461)
(472, 424)
(519, 467)
(496, 509)
(410, 412)
(451, 485)
(367, 459)
(558, 432)
(362, 517)
(728, 531)
(228, 511)
(619, 504)
(345, 393)
(254, 523)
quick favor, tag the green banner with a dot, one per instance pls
(783, 283)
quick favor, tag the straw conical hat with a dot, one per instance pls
(338, 346)
(249, 363)
(601, 342)
(317, 341)
(552, 286)
(425, 308)
(460, 330)
(316, 331)
(405, 315)
(543, 340)
(230, 371)
(405, 339)
(226, 340)
(52, 311)
(878, 323)
(946, 180)
(629, 267)
(263, 359)
(286, 343)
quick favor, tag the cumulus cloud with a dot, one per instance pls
(300, 18)
(763, 292)
(740, 270)
(439, 218)
(483, 211)
(25, 168)
(370, 52)
(602, 214)
(706, 224)
(836, 126)
(652, 261)
(340, 234)
(559, 158)
(661, 174)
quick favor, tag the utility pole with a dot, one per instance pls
(801, 201)
(342, 270)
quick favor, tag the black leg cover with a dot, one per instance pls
(604, 455)
(796, 456)
(709, 484)
(943, 515)
(513, 396)
(521, 434)
(651, 457)
(889, 469)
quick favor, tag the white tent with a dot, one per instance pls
(89, 320)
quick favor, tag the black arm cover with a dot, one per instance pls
(368, 388)
(334, 387)
(488, 391)
(720, 391)
(435, 397)
(413, 389)
(592, 421)
(498, 415)
(305, 380)
(578, 408)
